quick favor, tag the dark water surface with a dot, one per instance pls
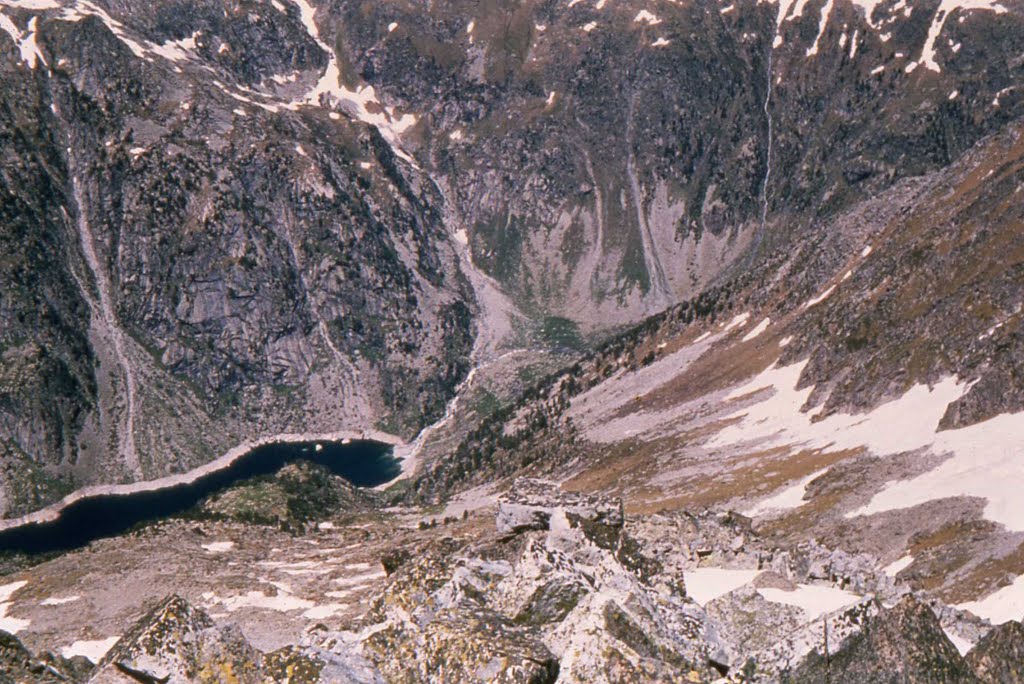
(363, 463)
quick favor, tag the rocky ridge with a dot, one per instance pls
(570, 591)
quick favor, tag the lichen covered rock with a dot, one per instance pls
(177, 643)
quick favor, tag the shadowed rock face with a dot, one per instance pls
(902, 644)
(999, 656)
(17, 664)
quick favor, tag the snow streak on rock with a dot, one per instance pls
(361, 103)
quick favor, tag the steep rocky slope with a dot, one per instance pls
(612, 158)
(189, 263)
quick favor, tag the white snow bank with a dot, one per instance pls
(707, 584)
(1001, 606)
(219, 547)
(788, 498)
(813, 599)
(898, 565)
(962, 645)
(737, 321)
(985, 459)
(283, 602)
(826, 11)
(947, 7)
(93, 650)
(362, 102)
(761, 327)
(904, 424)
(26, 42)
(33, 4)
(324, 611)
(60, 601)
(8, 624)
(645, 17)
(820, 298)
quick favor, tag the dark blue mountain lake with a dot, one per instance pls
(364, 463)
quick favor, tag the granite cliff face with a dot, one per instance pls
(190, 263)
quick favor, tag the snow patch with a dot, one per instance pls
(589, 26)
(284, 602)
(645, 17)
(26, 42)
(59, 601)
(9, 624)
(324, 611)
(826, 11)
(33, 4)
(945, 8)
(756, 332)
(984, 459)
(898, 565)
(820, 298)
(177, 50)
(1001, 606)
(963, 646)
(661, 42)
(707, 584)
(93, 650)
(813, 599)
(737, 321)
(789, 498)
(219, 547)
(984, 462)
(362, 103)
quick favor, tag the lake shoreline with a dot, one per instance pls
(53, 512)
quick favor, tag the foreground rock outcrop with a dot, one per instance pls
(177, 643)
(18, 664)
(579, 594)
